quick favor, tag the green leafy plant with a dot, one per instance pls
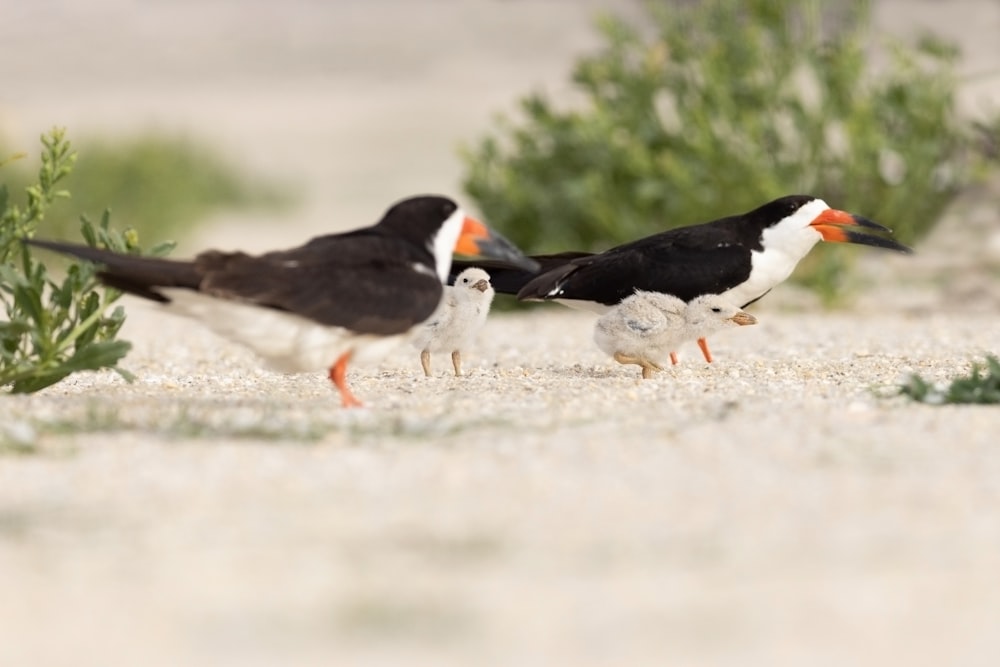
(716, 107)
(53, 329)
(982, 385)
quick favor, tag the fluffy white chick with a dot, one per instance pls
(458, 318)
(646, 327)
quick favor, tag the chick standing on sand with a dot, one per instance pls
(646, 327)
(460, 315)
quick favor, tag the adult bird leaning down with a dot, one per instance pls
(739, 258)
(337, 298)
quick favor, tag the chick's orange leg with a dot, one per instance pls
(703, 344)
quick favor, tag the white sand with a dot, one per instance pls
(550, 508)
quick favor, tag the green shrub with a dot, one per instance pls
(982, 386)
(716, 107)
(53, 329)
(161, 185)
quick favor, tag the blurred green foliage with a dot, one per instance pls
(981, 386)
(161, 186)
(713, 108)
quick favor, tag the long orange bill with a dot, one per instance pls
(478, 240)
(338, 375)
(833, 226)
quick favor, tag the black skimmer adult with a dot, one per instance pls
(646, 327)
(337, 298)
(459, 317)
(740, 258)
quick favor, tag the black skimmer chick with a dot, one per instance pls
(337, 298)
(740, 258)
(645, 328)
(459, 317)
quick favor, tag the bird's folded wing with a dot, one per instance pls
(368, 285)
(612, 276)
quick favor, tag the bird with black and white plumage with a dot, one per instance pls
(339, 298)
(645, 328)
(459, 317)
(740, 258)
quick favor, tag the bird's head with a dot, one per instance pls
(473, 279)
(442, 226)
(794, 224)
(709, 313)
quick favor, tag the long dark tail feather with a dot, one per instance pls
(507, 279)
(130, 273)
(131, 287)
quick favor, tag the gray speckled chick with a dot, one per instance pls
(645, 328)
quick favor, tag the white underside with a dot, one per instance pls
(288, 343)
(769, 269)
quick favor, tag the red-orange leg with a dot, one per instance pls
(338, 375)
(703, 344)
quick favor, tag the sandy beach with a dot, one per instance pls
(780, 506)
(549, 508)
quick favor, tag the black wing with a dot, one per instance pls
(676, 262)
(365, 282)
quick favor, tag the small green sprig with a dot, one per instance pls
(981, 386)
(53, 329)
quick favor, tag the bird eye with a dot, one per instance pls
(465, 280)
(716, 310)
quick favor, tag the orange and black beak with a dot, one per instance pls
(478, 240)
(833, 226)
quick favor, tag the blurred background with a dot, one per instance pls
(337, 108)
(255, 124)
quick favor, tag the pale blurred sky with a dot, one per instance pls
(359, 101)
